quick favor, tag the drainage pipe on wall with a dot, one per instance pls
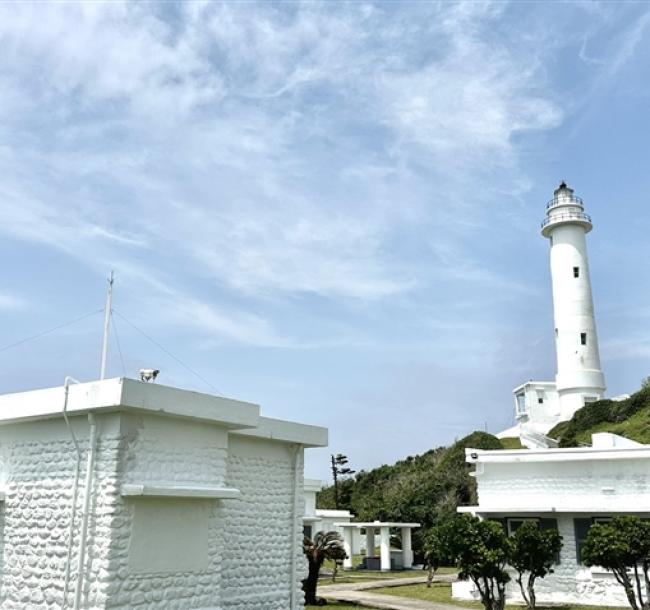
(90, 464)
(75, 489)
(297, 495)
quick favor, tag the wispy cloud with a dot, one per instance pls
(276, 151)
(11, 302)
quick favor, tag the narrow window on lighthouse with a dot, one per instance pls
(576, 272)
(583, 338)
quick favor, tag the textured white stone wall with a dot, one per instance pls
(583, 485)
(249, 541)
(257, 528)
(38, 477)
(163, 450)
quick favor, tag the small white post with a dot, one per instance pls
(347, 545)
(107, 323)
(370, 542)
(407, 548)
(385, 548)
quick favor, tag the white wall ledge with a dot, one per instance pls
(180, 491)
(591, 509)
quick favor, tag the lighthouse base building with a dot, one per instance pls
(568, 490)
(128, 495)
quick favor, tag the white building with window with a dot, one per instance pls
(327, 520)
(122, 494)
(540, 405)
(567, 489)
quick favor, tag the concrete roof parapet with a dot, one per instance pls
(128, 395)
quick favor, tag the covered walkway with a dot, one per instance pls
(384, 542)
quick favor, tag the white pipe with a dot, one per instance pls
(90, 463)
(75, 488)
(297, 494)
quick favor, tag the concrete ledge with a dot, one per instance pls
(180, 491)
(288, 432)
(122, 394)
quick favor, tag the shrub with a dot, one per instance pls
(623, 546)
(533, 553)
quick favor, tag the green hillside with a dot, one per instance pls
(629, 418)
(421, 488)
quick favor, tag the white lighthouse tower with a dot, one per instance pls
(579, 377)
(539, 405)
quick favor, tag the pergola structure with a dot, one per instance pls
(384, 539)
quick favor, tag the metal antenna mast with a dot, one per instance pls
(107, 323)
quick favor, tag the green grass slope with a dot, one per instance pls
(421, 488)
(629, 418)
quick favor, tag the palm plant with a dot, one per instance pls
(324, 545)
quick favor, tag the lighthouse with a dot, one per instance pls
(579, 378)
(540, 405)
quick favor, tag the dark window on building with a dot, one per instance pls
(576, 272)
(583, 338)
(512, 524)
(540, 401)
(306, 531)
(581, 527)
(521, 403)
(550, 524)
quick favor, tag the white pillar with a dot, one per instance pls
(347, 545)
(407, 549)
(370, 542)
(385, 548)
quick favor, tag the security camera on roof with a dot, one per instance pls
(148, 374)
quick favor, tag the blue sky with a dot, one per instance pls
(330, 209)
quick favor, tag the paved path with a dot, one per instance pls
(361, 594)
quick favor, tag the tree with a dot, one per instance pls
(480, 550)
(533, 553)
(325, 545)
(623, 546)
(433, 550)
(339, 468)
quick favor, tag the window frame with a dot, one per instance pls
(523, 520)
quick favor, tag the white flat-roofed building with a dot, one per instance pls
(326, 520)
(567, 489)
(149, 497)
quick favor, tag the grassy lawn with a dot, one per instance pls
(350, 576)
(438, 592)
(511, 443)
(441, 592)
(337, 605)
